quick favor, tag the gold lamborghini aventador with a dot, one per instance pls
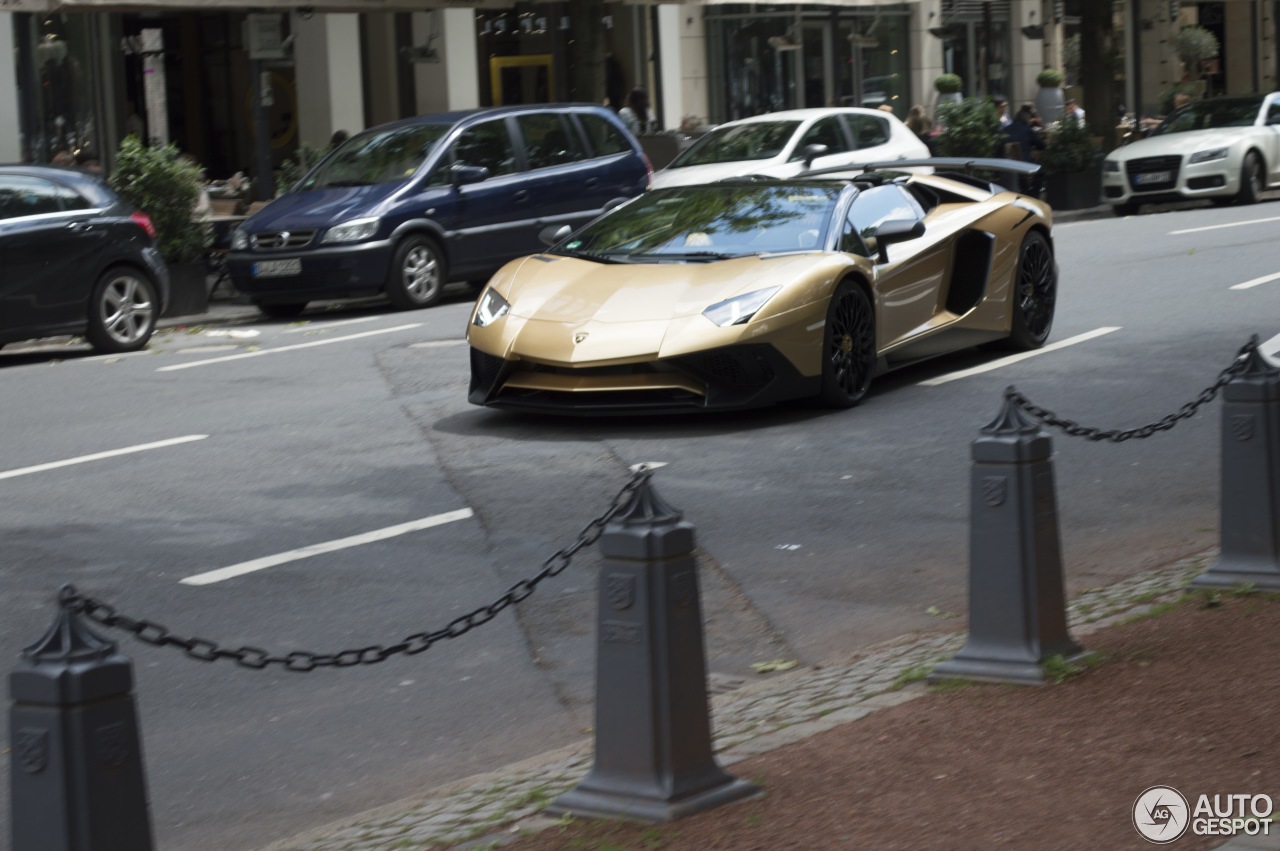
(747, 292)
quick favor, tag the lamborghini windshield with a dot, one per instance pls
(703, 223)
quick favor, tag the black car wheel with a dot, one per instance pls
(849, 347)
(1035, 294)
(417, 274)
(122, 311)
(1251, 182)
(282, 311)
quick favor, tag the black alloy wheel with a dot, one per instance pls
(1251, 180)
(288, 310)
(417, 274)
(849, 347)
(1035, 294)
(123, 311)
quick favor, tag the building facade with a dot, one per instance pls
(189, 71)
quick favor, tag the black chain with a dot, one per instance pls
(1115, 435)
(304, 660)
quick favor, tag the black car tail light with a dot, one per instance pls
(143, 221)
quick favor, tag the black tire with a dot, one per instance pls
(848, 347)
(417, 275)
(1125, 209)
(1252, 179)
(1035, 292)
(290, 310)
(123, 311)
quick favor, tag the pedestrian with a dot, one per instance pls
(1022, 131)
(1072, 108)
(635, 113)
(1002, 109)
(63, 158)
(918, 122)
(338, 137)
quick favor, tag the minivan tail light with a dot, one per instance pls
(648, 167)
(143, 221)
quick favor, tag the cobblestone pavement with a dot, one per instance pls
(483, 811)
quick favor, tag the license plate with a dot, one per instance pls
(277, 268)
(1153, 177)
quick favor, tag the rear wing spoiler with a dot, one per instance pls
(966, 164)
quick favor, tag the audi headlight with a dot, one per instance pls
(1111, 165)
(490, 308)
(740, 309)
(352, 231)
(1207, 156)
(239, 240)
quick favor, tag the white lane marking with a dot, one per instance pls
(1228, 225)
(647, 465)
(292, 348)
(327, 547)
(320, 326)
(987, 367)
(112, 358)
(1272, 347)
(436, 344)
(97, 456)
(1257, 281)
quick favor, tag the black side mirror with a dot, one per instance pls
(812, 152)
(896, 230)
(464, 174)
(551, 234)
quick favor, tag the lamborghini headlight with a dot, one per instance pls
(1206, 156)
(740, 309)
(490, 308)
(352, 231)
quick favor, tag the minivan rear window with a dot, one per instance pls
(390, 155)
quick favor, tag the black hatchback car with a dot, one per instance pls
(76, 259)
(406, 207)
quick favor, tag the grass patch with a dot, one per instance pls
(911, 675)
(947, 685)
(1058, 669)
(1153, 612)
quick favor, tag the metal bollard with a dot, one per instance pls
(1017, 607)
(1250, 552)
(76, 780)
(653, 757)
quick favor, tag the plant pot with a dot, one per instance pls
(1078, 191)
(188, 289)
(1049, 103)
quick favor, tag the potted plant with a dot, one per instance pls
(948, 87)
(970, 128)
(167, 187)
(1194, 45)
(1071, 162)
(1049, 99)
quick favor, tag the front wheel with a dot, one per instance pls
(122, 311)
(416, 279)
(848, 347)
(1034, 295)
(1251, 181)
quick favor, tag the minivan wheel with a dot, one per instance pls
(417, 275)
(282, 311)
(122, 311)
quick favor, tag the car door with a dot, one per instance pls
(49, 240)
(561, 175)
(909, 286)
(494, 215)
(830, 133)
(616, 170)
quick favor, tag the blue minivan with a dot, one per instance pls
(406, 207)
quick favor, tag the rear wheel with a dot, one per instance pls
(1251, 180)
(283, 311)
(416, 279)
(849, 347)
(1035, 294)
(122, 311)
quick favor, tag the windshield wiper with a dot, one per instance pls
(589, 255)
(700, 256)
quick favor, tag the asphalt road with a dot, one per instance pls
(820, 532)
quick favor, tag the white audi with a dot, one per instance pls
(1226, 149)
(788, 143)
